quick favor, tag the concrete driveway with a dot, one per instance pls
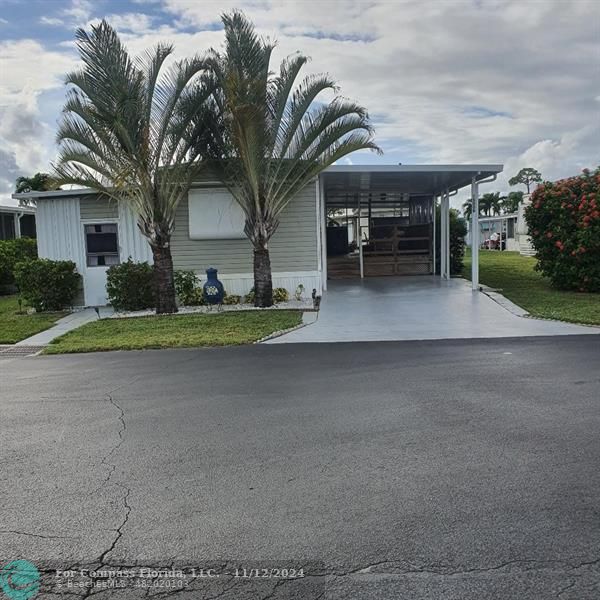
(416, 308)
(444, 470)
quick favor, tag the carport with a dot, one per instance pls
(388, 213)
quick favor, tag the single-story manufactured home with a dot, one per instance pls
(351, 221)
(503, 225)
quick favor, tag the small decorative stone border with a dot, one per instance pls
(304, 306)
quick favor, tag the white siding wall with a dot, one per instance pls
(131, 241)
(59, 232)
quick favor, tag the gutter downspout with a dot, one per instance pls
(18, 216)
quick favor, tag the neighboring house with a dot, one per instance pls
(16, 222)
(504, 225)
(391, 208)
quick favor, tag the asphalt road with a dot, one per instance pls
(404, 470)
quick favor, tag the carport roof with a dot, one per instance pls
(414, 179)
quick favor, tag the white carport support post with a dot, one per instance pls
(434, 213)
(474, 234)
(442, 236)
(360, 244)
(322, 209)
(447, 234)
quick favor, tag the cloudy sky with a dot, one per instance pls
(445, 81)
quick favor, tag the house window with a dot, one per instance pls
(102, 246)
(7, 226)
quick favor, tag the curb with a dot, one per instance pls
(281, 332)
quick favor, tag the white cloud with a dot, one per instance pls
(493, 81)
(75, 14)
(497, 81)
(26, 137)
(136, 23)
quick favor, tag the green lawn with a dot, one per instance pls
(15, 327)
(175, 331)
(514, 276)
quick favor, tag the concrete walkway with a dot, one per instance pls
(71, 321)
(417, 308)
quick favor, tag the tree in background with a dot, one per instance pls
(131, 131)
(276, 134)
(526, 177)
(490, 204)
(510, 203)
(40, 182)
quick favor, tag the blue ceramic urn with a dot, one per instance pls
(213, 289)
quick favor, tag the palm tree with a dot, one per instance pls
(468, 209)
(130, 131)
(274, 139)
(510, 204)
(490, 204)
(40, 182)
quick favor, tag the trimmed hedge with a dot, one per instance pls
(564, 226)
(48, 285)
(13, 252)
(130, 286)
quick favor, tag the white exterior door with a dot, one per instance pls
(94, 285)
(101, 243)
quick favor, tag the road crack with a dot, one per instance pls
(36, 535)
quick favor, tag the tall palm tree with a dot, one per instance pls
(490, 204)
(274, 137)
(130, 130)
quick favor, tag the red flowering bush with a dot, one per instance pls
(564, 225)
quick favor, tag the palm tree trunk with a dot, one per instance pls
(263, 283)
(164, 284)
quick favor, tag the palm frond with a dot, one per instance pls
(275, 136)
(129, 127)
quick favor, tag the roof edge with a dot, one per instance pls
(428, 168)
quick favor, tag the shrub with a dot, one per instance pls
(187, 288)
(564, 225)
(130, 286)
(47, 284)
(13, 252)
(458, 231)
(249, 298)
(232, 299)
(280, 295)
